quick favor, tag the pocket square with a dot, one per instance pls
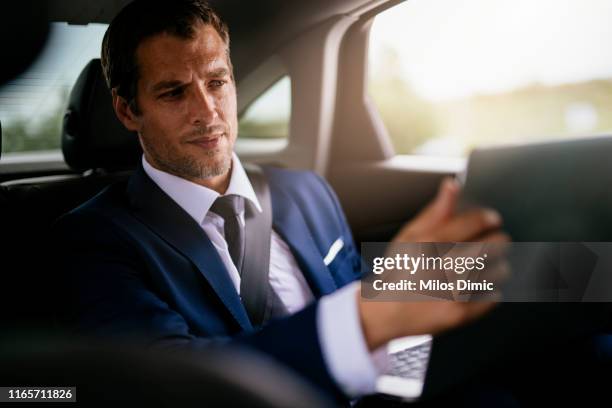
(333, 251)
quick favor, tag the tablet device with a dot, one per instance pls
(550, 191)
(545, 192)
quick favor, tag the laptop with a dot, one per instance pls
(408, 360)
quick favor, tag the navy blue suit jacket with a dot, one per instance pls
(138, 267)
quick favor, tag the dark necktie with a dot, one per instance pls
(227, 207)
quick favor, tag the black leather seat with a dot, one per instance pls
(95, 146)
(100, 151)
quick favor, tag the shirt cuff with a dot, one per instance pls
(353, 367)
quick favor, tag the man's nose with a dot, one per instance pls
(203, 107)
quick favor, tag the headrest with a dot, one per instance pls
(33, 35)
(92, 136)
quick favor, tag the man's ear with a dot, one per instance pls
(125, 113)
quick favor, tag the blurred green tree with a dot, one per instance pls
(409, 119)
(25, 134)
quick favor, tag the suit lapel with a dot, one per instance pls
(291, 225)
(167, 219)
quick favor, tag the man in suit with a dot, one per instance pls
(160, 261)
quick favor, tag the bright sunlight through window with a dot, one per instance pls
(448, 75)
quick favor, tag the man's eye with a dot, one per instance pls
(217, 83)
(173, 93)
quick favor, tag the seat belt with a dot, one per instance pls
(257, 295)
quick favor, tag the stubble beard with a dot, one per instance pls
(210, 163)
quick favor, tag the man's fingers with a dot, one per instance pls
(499, 272)
(469, 226)
(440, 209)
(496, 237)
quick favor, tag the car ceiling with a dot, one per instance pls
(257, 28)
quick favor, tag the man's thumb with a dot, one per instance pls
(446, 200)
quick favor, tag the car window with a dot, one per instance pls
(448, 75)
(268, 116)
(32, 105)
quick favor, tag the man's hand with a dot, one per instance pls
(385, 321)
(438, 222)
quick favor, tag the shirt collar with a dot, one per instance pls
(195, 199)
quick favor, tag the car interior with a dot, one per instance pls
(317, 46)
(334, 128)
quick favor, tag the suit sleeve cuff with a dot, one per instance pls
(350, 363)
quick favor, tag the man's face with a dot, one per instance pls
(187, 101)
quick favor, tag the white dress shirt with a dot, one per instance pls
(340, 335)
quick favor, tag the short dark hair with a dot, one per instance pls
(142, 19)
